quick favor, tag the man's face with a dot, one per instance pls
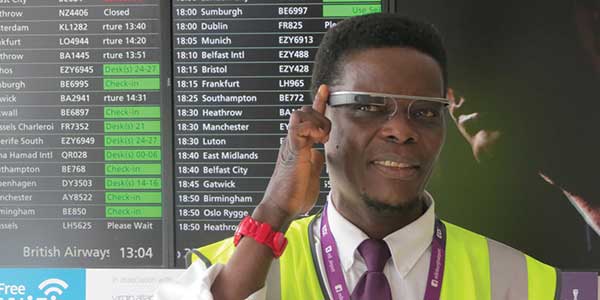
(387, 162)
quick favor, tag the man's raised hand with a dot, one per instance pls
(294, 186)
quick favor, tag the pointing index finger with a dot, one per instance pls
(320, 102)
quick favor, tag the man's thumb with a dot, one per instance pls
(317, 160)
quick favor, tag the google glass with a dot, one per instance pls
(380, 106)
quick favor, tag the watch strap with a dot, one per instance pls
(262, 233)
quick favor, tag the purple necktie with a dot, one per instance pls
(373, 284)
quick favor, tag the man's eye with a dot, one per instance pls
(426, 113)
(370, 108)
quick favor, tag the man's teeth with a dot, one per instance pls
(389, 163)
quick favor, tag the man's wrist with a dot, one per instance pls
(273, 215)
(261, 233)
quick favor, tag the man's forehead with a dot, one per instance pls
(396, 70)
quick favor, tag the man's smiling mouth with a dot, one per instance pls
(397, 168)
(394, 164)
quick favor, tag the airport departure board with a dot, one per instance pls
(133, 130)
(83, 144)
(239, 72)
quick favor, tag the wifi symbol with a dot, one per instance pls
(53, 285)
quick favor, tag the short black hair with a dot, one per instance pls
(374, 31)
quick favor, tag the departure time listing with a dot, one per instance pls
(240, 69)
(81, 149)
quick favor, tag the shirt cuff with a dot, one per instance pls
(195, 284)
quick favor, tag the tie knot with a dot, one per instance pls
(375, 253)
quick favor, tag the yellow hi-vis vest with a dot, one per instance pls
(476, 268)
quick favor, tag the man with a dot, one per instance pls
(379, 83)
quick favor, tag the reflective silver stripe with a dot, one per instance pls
(274, 281)
(314, 249)
(189, 258)
(508, 272)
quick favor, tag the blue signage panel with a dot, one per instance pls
(42, 284)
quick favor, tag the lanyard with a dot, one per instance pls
(335, 276)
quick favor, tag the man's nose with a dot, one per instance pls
(399, 129)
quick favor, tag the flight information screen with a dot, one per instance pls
(83, 143)
(133, 130)
(240, 70)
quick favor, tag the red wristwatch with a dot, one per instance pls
(262, 233)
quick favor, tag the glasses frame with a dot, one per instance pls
(366, 98)
(352, 97)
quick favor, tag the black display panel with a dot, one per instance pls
(240, 69)
(103, 163)
(134, 130)
(84, 144)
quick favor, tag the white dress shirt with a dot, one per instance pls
(406, 271)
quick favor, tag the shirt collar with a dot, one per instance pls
(407, 244)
